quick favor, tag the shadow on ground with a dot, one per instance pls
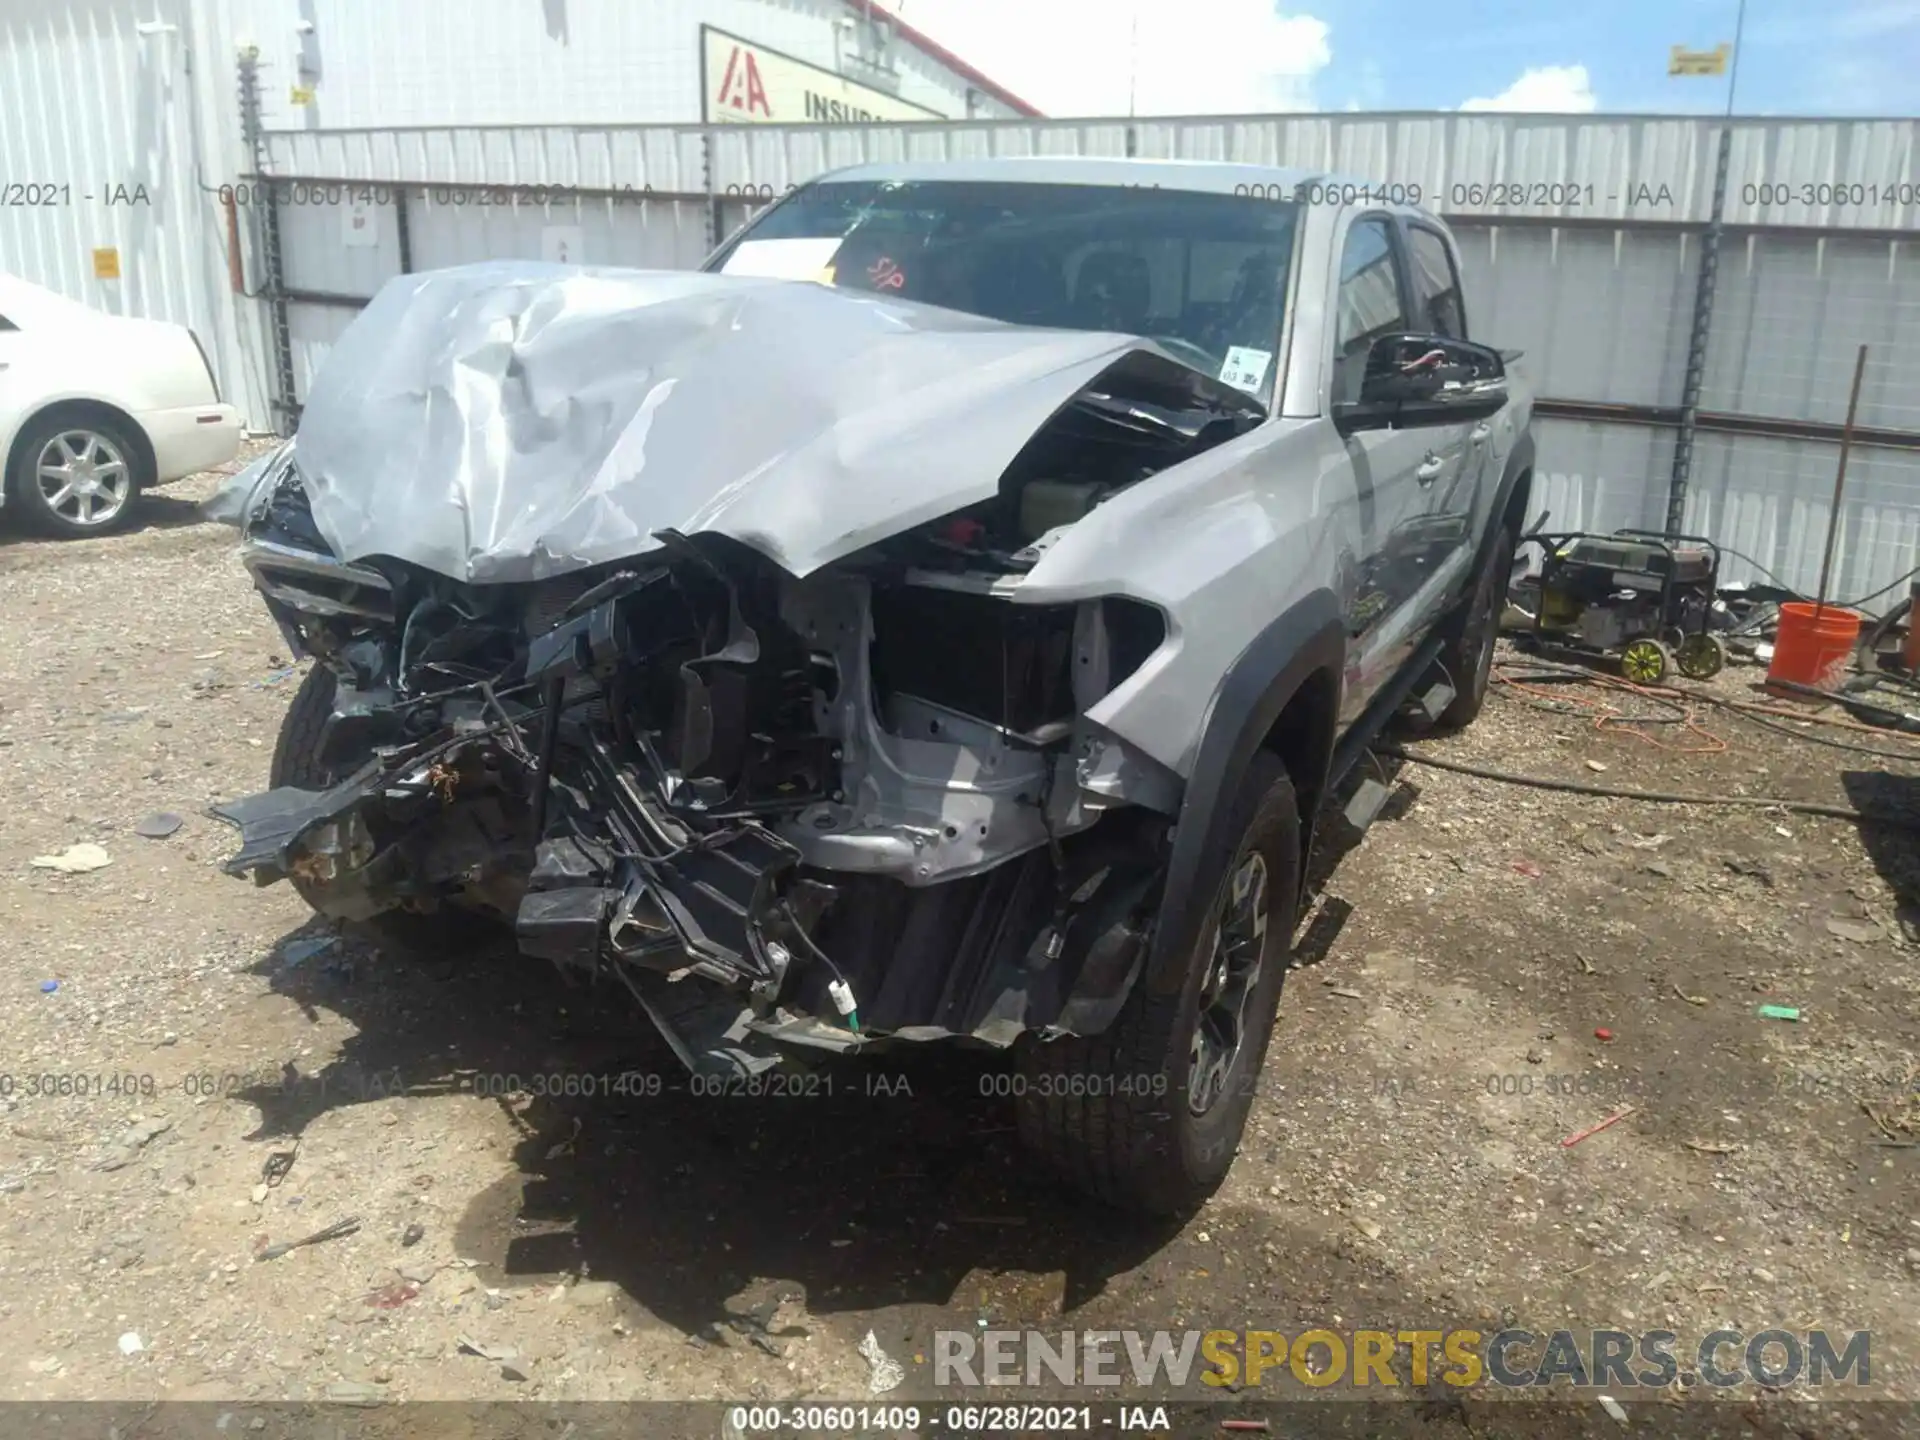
(874, 1186)
(831, 1188)
(153, 511)
(1895, 852)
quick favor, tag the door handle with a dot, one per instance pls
(1430, 469)
(1480, 432)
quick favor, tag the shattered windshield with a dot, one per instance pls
(1202, 274)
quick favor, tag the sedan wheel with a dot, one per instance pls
(84, 478)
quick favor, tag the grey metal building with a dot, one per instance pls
(123, 144)
(1690, 292)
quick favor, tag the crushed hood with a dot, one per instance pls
(513, 420)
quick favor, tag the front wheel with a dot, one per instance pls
(1149, 1114)
(297, 762)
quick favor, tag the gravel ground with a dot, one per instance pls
(1404, 1166)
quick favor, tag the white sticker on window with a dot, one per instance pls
(796, 259)
(1246, 368)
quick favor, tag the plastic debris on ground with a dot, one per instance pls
(131, 1344)
(298, 952)
(884, 1372)
(275, 1167)
(159, 825)
(1779, 1012)
(332, 1232)
(469, 1346)
(74, 860)
(47, 987)
(1611, 1120)
(125, 1147)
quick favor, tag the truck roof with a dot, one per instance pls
(1211, 176)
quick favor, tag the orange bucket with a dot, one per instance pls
(1814, 645)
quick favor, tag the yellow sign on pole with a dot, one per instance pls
(106, 263)
(1682, 61)
(300, 95)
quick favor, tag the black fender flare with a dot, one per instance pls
(1519, 463)
(1310, 636)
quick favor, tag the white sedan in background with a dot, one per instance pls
(94, 408)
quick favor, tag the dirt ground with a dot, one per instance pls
(1404, 1167)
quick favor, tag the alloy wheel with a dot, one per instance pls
(84, 478)
(1233, 973)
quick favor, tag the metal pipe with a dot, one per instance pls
(1721, 422)
(1703, 300)
(273, 280)
(403, 230)
(1733, 69)
(1840, 482)
(1697, 341)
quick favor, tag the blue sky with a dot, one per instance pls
(1800, 57)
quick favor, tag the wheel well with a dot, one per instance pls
(1302, 736)
(80, 412)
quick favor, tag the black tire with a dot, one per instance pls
(1111, 1113)
(1468, 654)
(109, 443)
(296, 755)
(296, 761)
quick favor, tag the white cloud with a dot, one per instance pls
(1873, 19)
(1545, 89)
(1075, 57)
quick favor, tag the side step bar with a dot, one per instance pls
(1434, 701)
(1380, 714)
(1367, 803)
(1370, 796)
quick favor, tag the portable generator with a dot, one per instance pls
(1642, 596)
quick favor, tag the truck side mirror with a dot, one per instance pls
(1419, 380)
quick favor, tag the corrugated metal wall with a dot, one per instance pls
(1582, 239)
(92, 108)
(538, 62)
(114, 139)
(1582, 234)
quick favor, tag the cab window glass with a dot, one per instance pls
(1369, 303)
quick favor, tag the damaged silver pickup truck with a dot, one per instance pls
(939, 619)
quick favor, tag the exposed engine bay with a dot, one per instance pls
(831, 809)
